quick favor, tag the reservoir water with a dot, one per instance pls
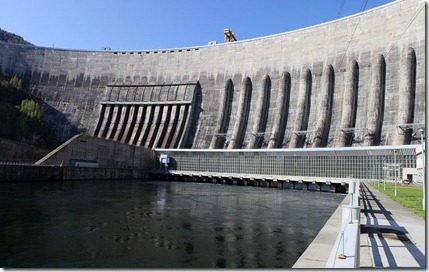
(157, 224)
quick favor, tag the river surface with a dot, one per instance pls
(157, 224)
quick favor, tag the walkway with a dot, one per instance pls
(391, 236)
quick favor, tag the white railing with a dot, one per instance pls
(346, 250)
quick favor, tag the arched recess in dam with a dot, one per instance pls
(325, 108)
(350, 100)
(299, 133)
(261, 113)
(147, 115)
(407, 93)
(240, 124)
(375, 112)
(222, 122)
(281, 116)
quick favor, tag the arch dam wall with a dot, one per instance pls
(359, 80)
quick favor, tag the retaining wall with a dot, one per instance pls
(107, 153)
(57, 173)
(12, 151)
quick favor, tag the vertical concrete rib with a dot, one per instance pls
(325, 108)
(122, 123)
(184, 113)
(303, 109)
(141, 115)
(242, 114)
(154, 128)
(147, 124)
(105, 127)
(191, 94)
(407, 93)
(282, 104)
(348, 114)
(261, 114)
(165, 123)
(173, 140)
(224, 112)
(131, 120)
(101, 119)
(376, 102)
(114, 122)
(171, 127)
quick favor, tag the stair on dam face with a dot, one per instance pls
(150, 115)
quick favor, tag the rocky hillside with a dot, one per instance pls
(21, 115)
(12, 38)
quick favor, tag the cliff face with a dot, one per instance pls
(353, 81)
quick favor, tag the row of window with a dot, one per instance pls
(154, 52)
(376, 167)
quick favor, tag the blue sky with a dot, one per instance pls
(159, 24)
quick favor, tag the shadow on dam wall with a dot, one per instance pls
(197, 109)
(63, 129)
(11, 173)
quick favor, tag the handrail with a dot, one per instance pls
(346, 250)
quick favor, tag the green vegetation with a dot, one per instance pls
(408, 195)
(12, 38)
(21, 117)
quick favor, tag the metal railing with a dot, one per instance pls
(346, 250)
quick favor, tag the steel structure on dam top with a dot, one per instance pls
(355, 81)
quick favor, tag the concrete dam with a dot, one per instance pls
(355, 81)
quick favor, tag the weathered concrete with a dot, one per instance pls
(376, 102)
(350, 100)
(108, 154)
(115, 160)
(384, 47)
(18, 152)
(147, 115)
(407, 92)
(57, 173)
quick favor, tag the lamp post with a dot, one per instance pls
(394, 155)
(422, 132)
(384, 173)
(378, 180)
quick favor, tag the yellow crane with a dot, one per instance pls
(229, 35)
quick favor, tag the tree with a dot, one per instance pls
(15, 82)
(31, 109)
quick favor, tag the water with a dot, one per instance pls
(153, 224)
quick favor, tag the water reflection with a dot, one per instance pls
(152, 224)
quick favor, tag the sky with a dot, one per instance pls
(164, 24)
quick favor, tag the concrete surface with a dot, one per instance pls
(12, 151)
(391, 236)
(331, 84)
(108, 153)
(317, 253)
